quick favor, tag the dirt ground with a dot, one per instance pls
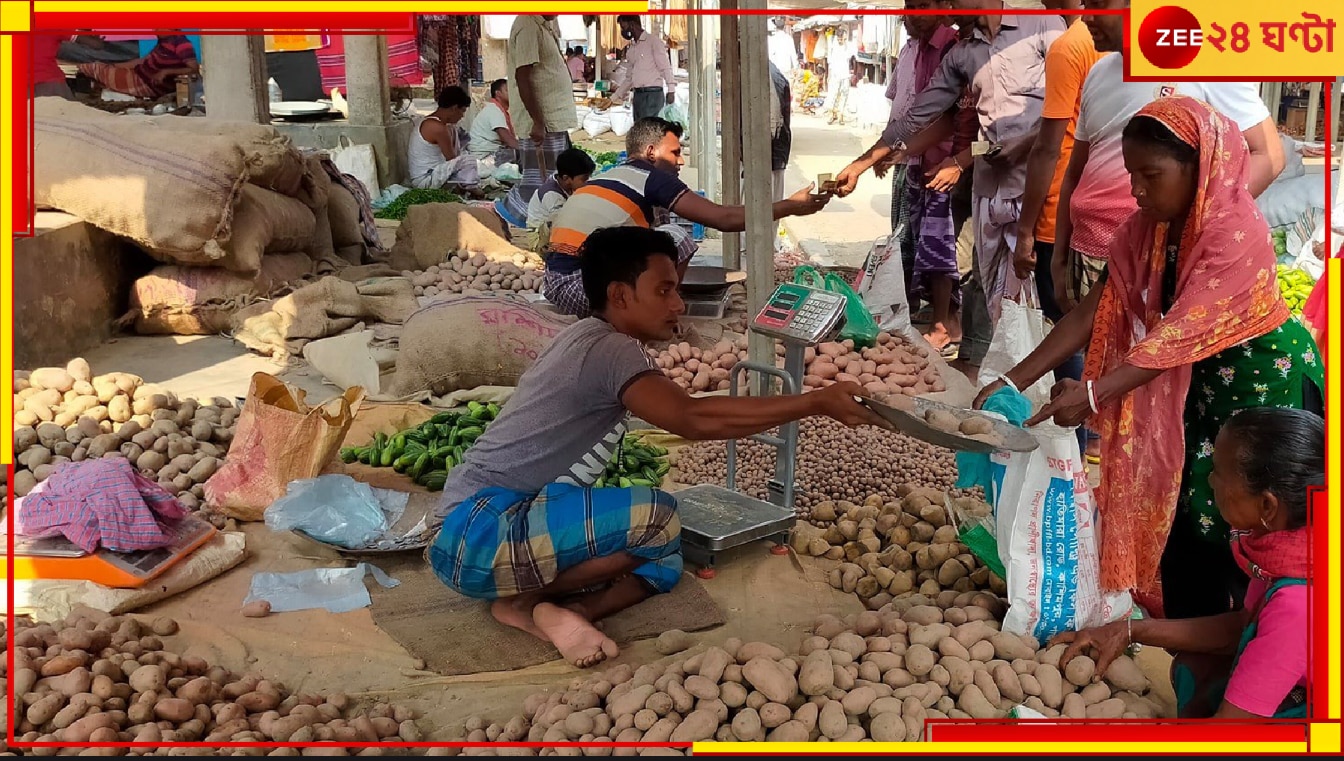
(764, 597)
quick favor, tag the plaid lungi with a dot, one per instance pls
(1084, 272)
(536, 168)
(122, 79)
(502, 543)
(932, 236)
(565, 291)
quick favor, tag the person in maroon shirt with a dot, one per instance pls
(151, 77)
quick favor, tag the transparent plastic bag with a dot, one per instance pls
(336, 509)
(337, 590)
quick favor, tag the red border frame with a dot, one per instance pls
(981, 731)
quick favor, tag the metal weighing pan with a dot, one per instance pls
(1013, 439)
(709, 280)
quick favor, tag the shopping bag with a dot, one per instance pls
(1020, 329)
(881, 285)
(859, 327)
(279, 439)
(675, 114)
(357, 161)
(1046, 525)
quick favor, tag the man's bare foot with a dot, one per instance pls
(577, 640)
(516, 613)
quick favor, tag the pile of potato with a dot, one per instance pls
(894, 549)
(69, 415)
(893, 366)
(474, 275)
(833, 463)
(875, 676)
(104, 679)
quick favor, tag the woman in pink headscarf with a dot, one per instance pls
(1188, 328)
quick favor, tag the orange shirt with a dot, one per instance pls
(1067, 63)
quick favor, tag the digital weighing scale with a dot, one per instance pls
(58, 558)
(715, 519)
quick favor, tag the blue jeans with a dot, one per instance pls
(1072, 367)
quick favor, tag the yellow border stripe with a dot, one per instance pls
(924, 748)
(7, 227)
(1332, 479)
(340, 6)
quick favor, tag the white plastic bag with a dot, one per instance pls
(881, 285)
(1048, 536)
(596, 122)
(337, 590)
(622, 119)
(337, 509)
(1021, 328)
(358, 161)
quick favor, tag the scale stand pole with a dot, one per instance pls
(780, 487)
(786, 458)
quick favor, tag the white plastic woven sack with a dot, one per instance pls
(1047, 527)
(359, 161)
(622, 119)
(881, 284)
(596, 122)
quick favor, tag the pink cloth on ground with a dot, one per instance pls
(1275, 661)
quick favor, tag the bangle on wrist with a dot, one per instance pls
(1092, 396)
(957, 163)
(1009, 382)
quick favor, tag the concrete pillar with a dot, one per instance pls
(233, 71)
(1336, 96)
(703, 83)
(755, 109)
(731, 135)
(366, 80)
(1313, 109)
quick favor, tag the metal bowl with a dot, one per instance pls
(1013, 439)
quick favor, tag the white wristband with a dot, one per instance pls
(1004, 377)
(1092, 396)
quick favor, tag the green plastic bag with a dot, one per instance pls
(860, 327)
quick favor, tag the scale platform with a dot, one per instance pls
(714, 519)
(58, 558)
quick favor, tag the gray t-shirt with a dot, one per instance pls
(563, 422)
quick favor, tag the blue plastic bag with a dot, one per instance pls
(973, 468)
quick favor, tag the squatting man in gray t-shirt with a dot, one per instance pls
(522, 523)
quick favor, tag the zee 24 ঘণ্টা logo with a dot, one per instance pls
(1171, 37)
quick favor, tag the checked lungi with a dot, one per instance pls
(502, 543)
(536, 166)
(932, 234)
(123, 79)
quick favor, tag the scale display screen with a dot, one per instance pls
(800, 314)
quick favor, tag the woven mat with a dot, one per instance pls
(455, 635)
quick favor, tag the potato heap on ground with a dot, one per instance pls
(893, 366)
(475, 275)
(103, 679)
(833, 463)
(69, 415)
(893, 549)
(876, 676)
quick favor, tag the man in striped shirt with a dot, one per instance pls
(153, 76)
(640, 193)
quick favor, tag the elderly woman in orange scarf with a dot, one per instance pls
(1188, 328)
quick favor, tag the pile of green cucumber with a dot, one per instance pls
(427, 452)
(636, 463)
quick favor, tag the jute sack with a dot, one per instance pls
(273, 162)
(195, 301)
(332, 305)
(432, 231)
(170, 196)
(317, 185)
(279, 439)
(343, 214)
(468, 341)
(263, 223)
